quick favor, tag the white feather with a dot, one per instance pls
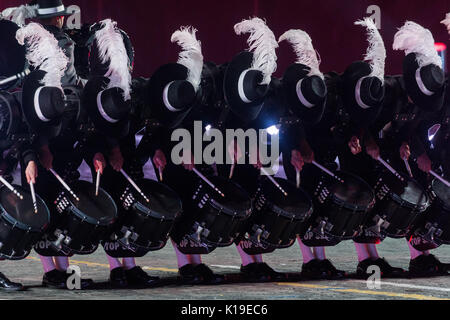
(262, 43)
(43, 52)
(20, 14)
(446, 21)
(376, 52)
(112, 50)
(191, 55)
(412, 37)
(303, 47)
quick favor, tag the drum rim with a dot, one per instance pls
(73, 208)
(5, 215)
(421, 208)
(444, 206)
(353, 207)
(139, 206)
(288, 215)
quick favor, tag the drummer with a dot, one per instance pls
(119, 137)
(409, 102)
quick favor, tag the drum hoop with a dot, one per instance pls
(151, 213)
(407, 204)
(289, 215)
(5, 215)
(444, 205)
(73, 208)
(233, 213)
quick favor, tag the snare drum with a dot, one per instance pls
(395, 210)
(81, 224)
(20, 226)
(147, 225)
(213, 220)
(432, 229)
(276, 217)
(339, 209)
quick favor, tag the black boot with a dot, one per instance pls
(8, 285)
(273, 275)
(117, 278)
(54, 279)
(332, 272)
(254, 273)
(313, 270)
(84, 283)
(427, 266)
(138, 277)
(209, 277)
(387, 271)
(189, 275)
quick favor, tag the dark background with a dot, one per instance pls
(329, 23)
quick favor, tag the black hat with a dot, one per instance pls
(211, 86)
(362, 93)
(424, 85)
(107, 107)
(171, 96)
(42, 106)
(242, 87)
(12, 54)
(305, 95)
(50, 8)
(10, 114)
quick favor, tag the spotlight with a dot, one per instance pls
(273, 130)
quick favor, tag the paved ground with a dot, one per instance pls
(226, 261)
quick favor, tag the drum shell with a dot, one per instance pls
(16, 243)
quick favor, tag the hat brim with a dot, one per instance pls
(64, 13)
(32, 83)
(91, 90)
(156, 85)
(246, 111)
(291, 77)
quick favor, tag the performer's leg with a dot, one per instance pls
(307, 253)
(113, 263)
(128, 263)
(47, 263)
(362, 251)
(62, 263)
(319, 253)
(117, 277)
(423, 263)
(372, 249)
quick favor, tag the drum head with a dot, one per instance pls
(414, 195)
(354, 193)
(94, 209)
(164, 202)
(297, 203)
(21, 212)
(442, 192)
(236, 200)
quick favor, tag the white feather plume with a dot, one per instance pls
(262, 43)
(112, 50)
(303, 48)
(376, 51)
(191, 55)
(412, 37)
(446, 21)
(43, 52)
(20, 14)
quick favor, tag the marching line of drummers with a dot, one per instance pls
(364, 154)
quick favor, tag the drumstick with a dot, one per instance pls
(408, 168)
(440, 178)
(134, 185)
(318, 165)
(394, 172)
(298, 178)
(208, 182)
(33, 196)
(97, 184)
(274, 182)
(10, 187)
(232, 170)
(64, 184)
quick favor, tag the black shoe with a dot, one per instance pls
(332, 272)
(118, 278)
(189, 275)
(313, 270)
(8, 285)
(272, 274)
(209, 277)
(387, 271)
(84, 283)
(427, 266)
(54, 279)
(138, 277)
(254, 273)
